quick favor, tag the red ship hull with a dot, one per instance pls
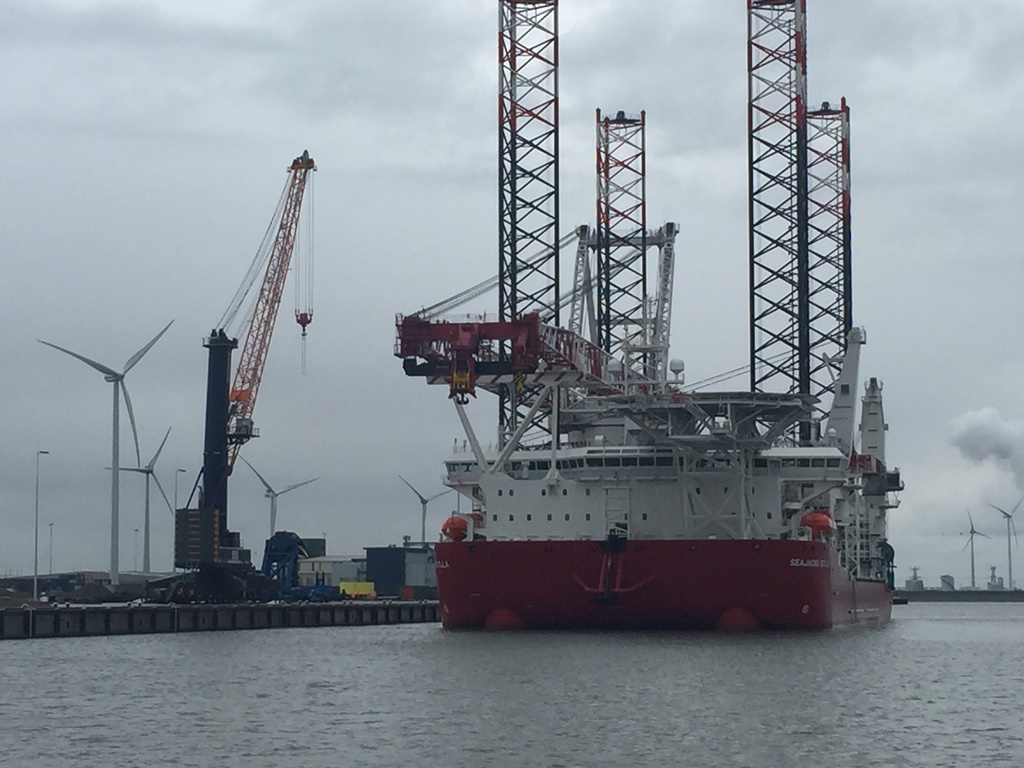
(662, 584)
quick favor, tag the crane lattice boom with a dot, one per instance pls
(246, 383)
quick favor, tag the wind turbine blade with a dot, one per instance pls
(983, 535)
(262, 479)
(438, 495)
(98, 366)
(131, 418)
(152, 462)
(966, 544)
(139, 355)
(298, 485)
(141, 470)
(418, 494)
(970, 518)
(161, 489)
(999, 510)
(1015, 506)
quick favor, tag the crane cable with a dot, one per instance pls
(467, 295)
(255, 271)
(726, 375)
(303, 266)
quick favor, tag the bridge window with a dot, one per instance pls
(646, 461)
(833, 462)
(595, 463)
(613, 461)
(760, 463)
(629, 461)
(663, 461)
(817, 462)
(803, 463)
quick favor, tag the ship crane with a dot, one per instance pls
(464, 351)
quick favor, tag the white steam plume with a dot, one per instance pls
(984, 434)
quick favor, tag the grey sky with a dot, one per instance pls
(145, 145)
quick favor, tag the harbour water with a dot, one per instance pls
(940, 686)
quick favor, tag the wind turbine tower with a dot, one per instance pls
(1011, 527)
(970, 541)
(117, 379)
(272, 494)
(424, 500)
(148, 472)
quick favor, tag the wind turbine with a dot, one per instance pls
(148, 472)
(1010, 526)
(117, 379)
(970, 541)
(272, 494)
(424, 500)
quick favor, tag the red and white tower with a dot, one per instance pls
(623, 325)
(830, 267)
(527, 176)
(780, 346)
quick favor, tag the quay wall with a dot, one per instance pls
(960, 595)
(80, 621)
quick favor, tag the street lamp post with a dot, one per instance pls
(176, 473)
(136, 564)
(51, 549)
(35, 558)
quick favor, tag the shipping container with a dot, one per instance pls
(363, 589)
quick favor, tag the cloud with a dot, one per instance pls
(984, 434)
(148, 142)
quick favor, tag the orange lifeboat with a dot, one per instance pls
(820, 523)
(455, 528)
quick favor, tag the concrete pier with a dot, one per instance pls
(78, 621)
(960, 595)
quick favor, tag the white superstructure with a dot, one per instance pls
(686, 465)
